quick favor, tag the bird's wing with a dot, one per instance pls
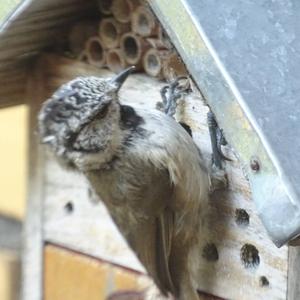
(139, 205)
(164, 232)
(152, 240)
(152, 244)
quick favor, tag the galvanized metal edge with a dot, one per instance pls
(273, 197)
(14, 14)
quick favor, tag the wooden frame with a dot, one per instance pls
(32, 261)
(294, 274)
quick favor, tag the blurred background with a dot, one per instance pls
(13, 175)
(13, 147)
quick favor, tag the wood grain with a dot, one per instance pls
(13, 87)
(10, 265)
(73, 276)
(31, 288)
(22, 39)
(294, 274)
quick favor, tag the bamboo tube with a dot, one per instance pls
(143, 22)
(110, 32)
(115, 60)
(162, 35)
(105, 6)
(156, 43)
(133, 48)
(173, 67)
(82, 56)
(94, 52)
(122, 9)
(153, 62)
(79, 33)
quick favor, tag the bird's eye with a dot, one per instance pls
(103, 112)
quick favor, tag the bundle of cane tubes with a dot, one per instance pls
(127, 34)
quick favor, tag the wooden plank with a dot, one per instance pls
(13, 162)
(33, 235)
(228, 277)
(87, 227)
(22, 38)
(13, 86)
(72, 220)
(73, 276)
(10, 269)
(294, 274)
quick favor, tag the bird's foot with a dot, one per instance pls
(218, 179)
(173, 92)
(217, 141)
(218, 174)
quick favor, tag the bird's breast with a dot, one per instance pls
(132, 189)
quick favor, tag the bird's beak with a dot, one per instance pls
(119, 79)
(48, 139)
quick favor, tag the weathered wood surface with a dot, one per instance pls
(39, 25)
(10, 265)
(85, 226)
(97, 280)
(31, 288)
(294, 274)
(13, 87)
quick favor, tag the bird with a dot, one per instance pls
(144, 167)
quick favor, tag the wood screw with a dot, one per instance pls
(254, 164)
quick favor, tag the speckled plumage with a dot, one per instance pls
(143, 166)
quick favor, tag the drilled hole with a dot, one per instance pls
(250, 256)
(109, 32)
(90, 193)
(160, 106)
(69, 207)
(164, 37)
(121, 10)
(96, 51)
(242, 218)
(153, 62)
(144, 26)
(210, 252)
(114, 62)
(105, 5)
(187, 128)
(263, 281)
(131, 47)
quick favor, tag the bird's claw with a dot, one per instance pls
(174, 91)
(217, 140)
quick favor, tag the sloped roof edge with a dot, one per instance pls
(33, 26)
(19, 8)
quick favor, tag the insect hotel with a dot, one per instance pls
(241, 63)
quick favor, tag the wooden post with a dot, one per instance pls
(32, 262)
(294, 274)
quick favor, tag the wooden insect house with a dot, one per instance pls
(240, 62)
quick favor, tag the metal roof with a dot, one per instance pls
(245, 57)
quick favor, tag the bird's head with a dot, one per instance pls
(81, 121)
